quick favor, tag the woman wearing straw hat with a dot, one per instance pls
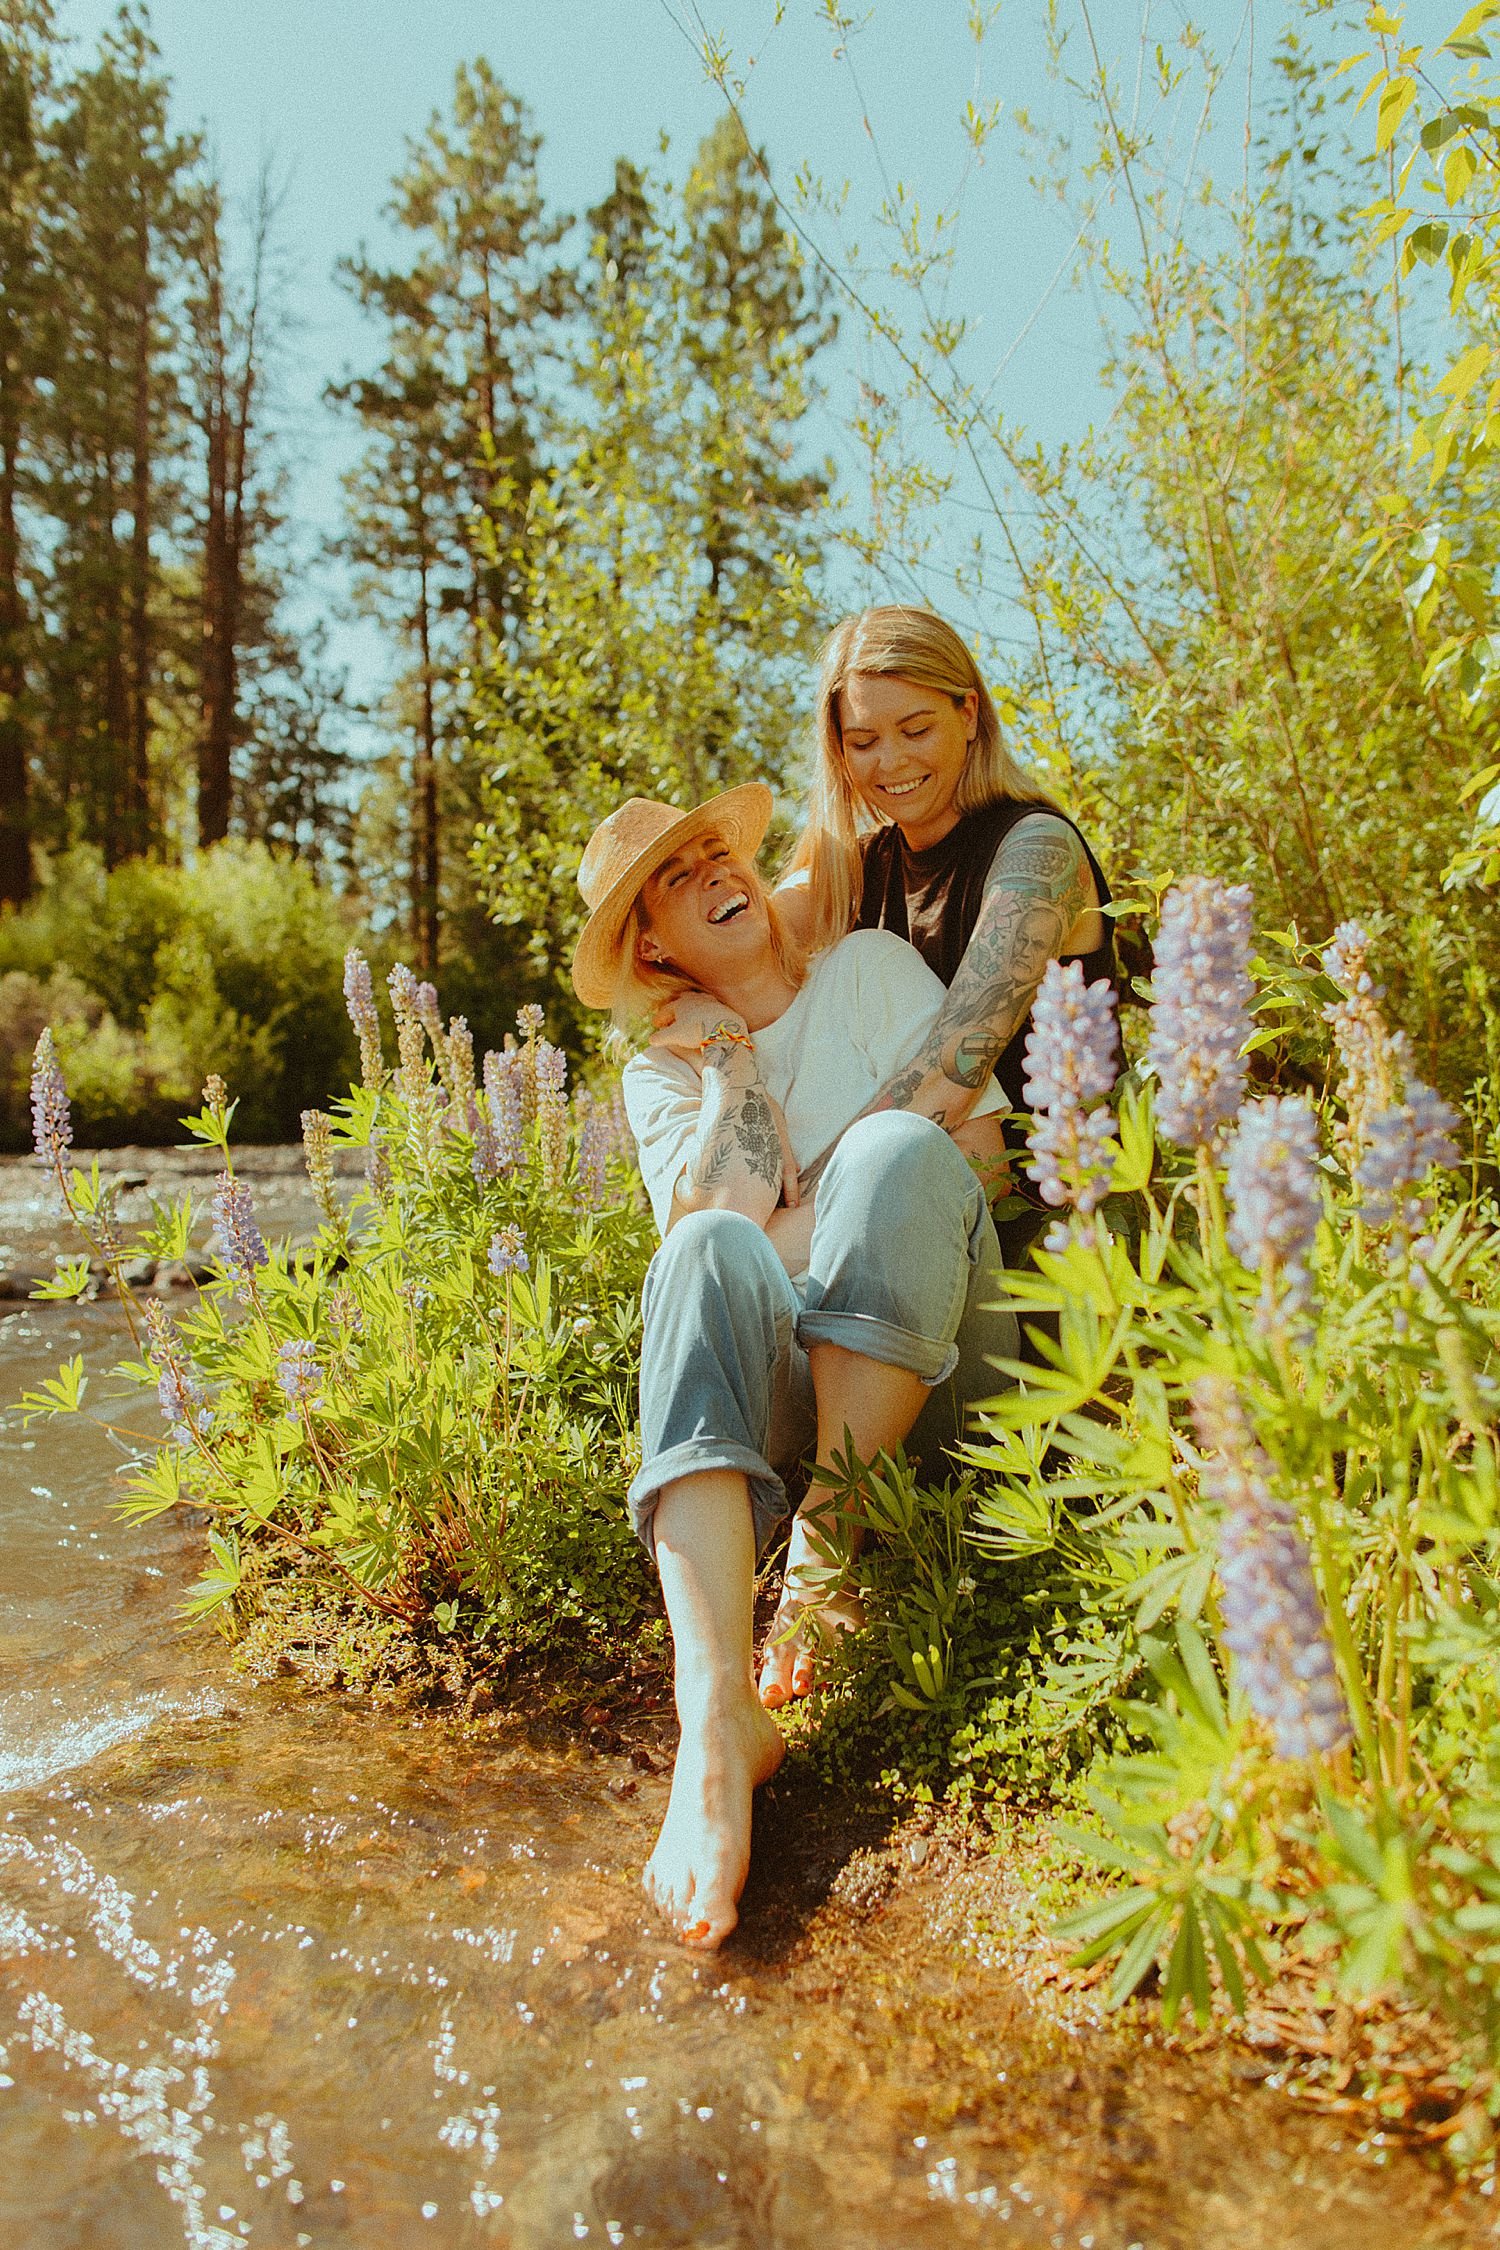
(821, 1272)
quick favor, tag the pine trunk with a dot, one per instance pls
(425, 840)
(15, 810)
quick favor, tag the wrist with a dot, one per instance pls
(723, 1039)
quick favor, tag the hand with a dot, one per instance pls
(791, 1182)
(684, 1023)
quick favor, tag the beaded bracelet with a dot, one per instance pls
(725, 1035)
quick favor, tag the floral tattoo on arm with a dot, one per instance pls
(1036, 889)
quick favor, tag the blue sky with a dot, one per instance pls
(331, 89)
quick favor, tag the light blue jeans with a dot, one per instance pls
(904, 1268)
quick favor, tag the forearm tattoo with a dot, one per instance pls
(1037, 888)
(744, 1129)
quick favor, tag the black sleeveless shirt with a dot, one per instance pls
(933, 897)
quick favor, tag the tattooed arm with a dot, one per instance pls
(1038, 902)
(735, 1159)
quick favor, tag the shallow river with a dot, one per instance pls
(288, 1970)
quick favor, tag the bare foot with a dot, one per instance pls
(790, 1665)
(697, 1871)
(814, 1608)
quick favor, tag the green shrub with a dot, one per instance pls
(154, 976)
(433, 1406)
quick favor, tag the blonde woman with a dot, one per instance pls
(825, 1277)
(920, 822)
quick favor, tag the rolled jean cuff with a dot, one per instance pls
(879, 1339)
(691, 1459)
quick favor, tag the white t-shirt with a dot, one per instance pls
(865, 1009)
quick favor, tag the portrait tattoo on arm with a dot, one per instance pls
(1036, 890)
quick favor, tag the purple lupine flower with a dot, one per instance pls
(551, 1110)
(530, 1019)
(425, 1001)
(1273, 1618)
(299, 1373)
(1402, 1144)
(237, 1238)
(1275, 1196)
(595, 1138)
(411, 1040)
(460, 1049)
(317, 1147)
(1343, 959)
(1374, 1061)
(177, 1390)
(1070, 1062)
(359, 997)
(51, 1114)
(508, 1253)
(624, 1146)
(1200, 1016)
(485, 1162)
(502, 1086)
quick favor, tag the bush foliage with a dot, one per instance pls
(1245, 1631)
(153, 976)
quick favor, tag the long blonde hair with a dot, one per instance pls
(895, 642)
(644, 988)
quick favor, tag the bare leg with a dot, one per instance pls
(705, 1552)
(877, 1406)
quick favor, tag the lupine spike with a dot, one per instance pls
(411, 1040)
(502, 1086)
(1274, 1623)
(178, 1392)
(1402, 1144)
(237, 1237)
(595, 1134)
(460, 1050)
(317, 1144)
(51, 1112)
(1071, 1061)
(299, 1373)
(1374, 1060)
(1275, 1195)
(359, 995)
(508, 1252)
(1200, 1017)
(552, 1111)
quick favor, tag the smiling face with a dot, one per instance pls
(905, 750)
(706, 913)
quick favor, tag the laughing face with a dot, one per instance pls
(905, 750)
(705, 912)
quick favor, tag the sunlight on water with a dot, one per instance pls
(286, 1971)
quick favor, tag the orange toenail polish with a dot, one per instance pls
(696, 1930)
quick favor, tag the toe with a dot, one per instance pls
(776, 1675)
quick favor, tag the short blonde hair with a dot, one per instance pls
(643, 988)
(893, 641)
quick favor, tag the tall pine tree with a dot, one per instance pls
(668, 625)
(449, 418)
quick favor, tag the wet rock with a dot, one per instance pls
(17, 1285)
(865, 1882)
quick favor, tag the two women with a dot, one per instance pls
(829, 1270)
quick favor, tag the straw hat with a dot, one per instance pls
(627, 848)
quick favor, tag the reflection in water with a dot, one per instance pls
(292, 1972)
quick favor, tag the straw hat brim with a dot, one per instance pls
(741, 816)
